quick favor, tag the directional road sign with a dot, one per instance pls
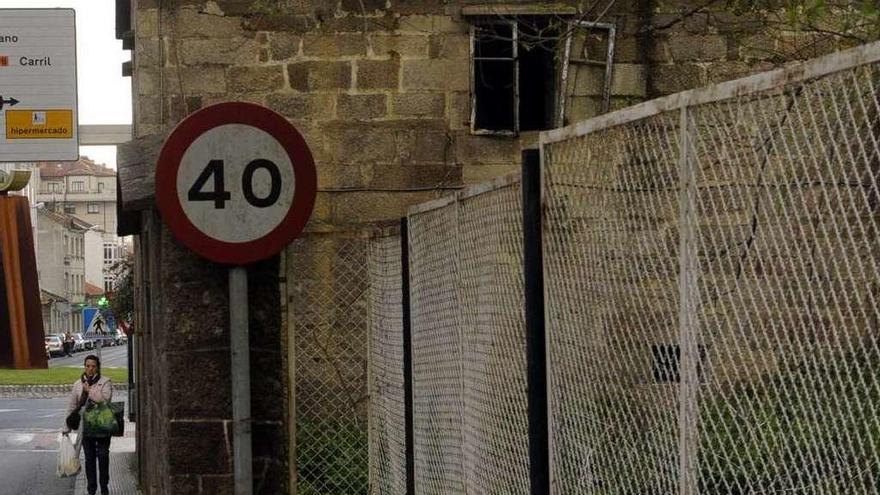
(38, 113)
(235, 182)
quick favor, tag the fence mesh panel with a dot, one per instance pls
(328, 302)
(493, 342)
(469, 364)
(436, 352)
(712, 280)
(788, 249)
(387, 422)
(712, 288)
(611, 278)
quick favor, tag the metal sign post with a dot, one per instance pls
(236, 183)
(241, 382)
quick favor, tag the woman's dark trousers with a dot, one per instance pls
(97, 448)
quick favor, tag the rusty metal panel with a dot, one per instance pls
(21, 323)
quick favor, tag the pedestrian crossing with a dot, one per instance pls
(29, 440)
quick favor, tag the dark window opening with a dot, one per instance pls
(514, 75)
(537, 80)
(494, 40)
(494, 76)
(494, 91)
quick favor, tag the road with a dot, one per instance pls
(111, 357)
(29, 435)
(29, 447)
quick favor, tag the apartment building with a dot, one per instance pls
(86, 190)
(62, 255)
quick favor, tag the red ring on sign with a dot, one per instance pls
(305, 182)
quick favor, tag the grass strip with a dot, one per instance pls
(56, 376)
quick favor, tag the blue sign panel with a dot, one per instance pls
(95, 325)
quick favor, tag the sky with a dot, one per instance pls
(104, 96)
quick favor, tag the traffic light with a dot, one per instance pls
(103, 302)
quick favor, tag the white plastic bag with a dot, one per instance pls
(68, 458)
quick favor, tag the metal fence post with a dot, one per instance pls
(407, 359)
(689, 351)
(536, 361)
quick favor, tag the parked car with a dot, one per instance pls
(121, 338)
(90, 343)
(55, 345)
(48, 354)
(79, 343)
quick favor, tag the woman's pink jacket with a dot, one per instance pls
(99, 392)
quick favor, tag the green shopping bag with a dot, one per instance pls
(99, 420)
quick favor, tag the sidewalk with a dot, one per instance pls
(123, 466)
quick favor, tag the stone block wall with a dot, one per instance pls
(382, 92)
(184, 408)
(380, 89)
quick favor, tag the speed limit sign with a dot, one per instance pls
(235, 182)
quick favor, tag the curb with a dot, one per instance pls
(44, 391)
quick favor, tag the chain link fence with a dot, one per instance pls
(468, 347)
(328, 324)
(712, 283)
(469, 369)
(436, 351)
(387, 408)
(495, 414)
(612, 300)
(712, 275)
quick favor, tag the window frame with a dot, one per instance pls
(514, 30)
(111, 253)
(560, 77)
(97, 208)
(611, 29)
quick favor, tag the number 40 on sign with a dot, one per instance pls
(235, 182)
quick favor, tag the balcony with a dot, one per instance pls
(77, 196)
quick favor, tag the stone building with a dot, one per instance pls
(61, 254)
(55, 310)
(400, 101)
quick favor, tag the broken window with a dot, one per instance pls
(514, 75)
(589, 56)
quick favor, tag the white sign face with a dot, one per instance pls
(235, 183)
(38, 109)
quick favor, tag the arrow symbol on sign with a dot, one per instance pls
(11, 102)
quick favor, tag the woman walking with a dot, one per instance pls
(92, 390)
